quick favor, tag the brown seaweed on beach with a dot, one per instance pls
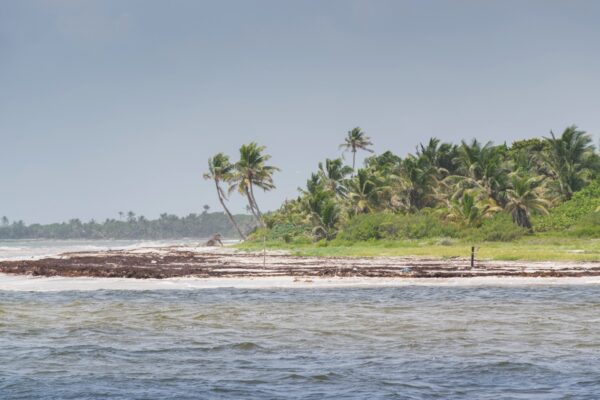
(172, 262)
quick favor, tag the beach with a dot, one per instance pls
(186, 265)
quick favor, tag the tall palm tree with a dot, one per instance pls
(220, 170)
(523, 198)
(569, 160)
(251, 170)
(356, 140)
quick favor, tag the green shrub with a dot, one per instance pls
(287, 233)
(395, 226)
(572, 212)
(587, 227)
(499, 228)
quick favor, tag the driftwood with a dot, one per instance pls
(214, 241)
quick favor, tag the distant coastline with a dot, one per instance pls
(131, 226)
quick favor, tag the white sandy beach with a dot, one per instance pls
(275, 272)
(54, 284)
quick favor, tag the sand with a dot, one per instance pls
(10, 282)
(183, 267)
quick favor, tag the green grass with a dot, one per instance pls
(530, 248)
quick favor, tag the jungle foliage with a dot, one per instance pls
(472, 189)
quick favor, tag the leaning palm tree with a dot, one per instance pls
(524, 198)
(251, 170)
(356, 140)
(220, 170)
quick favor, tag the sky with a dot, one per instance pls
(109, 106)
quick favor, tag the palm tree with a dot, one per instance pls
(321, 207)
(569, 160)
(420, 181)
(333, 173)
(327, 219)
(523, 198)
(365, 191)
(251, 170)
(526, 155)
(440, 155)
(482, 166)
(220, 170)
(386, 163)
(472, 207)
(356, 140)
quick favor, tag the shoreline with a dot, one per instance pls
(168, 262)
(24, 283)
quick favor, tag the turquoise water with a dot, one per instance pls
(521, 342)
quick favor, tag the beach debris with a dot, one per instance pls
(214, 241)
(177, 261)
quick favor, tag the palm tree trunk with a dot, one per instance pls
(254, 201)
(260, 216)
(253, 208)
(231, 219)
(353, 161)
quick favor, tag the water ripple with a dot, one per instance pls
(385, 343)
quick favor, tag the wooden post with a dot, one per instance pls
(264, 250)
(472, 256)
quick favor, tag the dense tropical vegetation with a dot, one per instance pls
(470, 189)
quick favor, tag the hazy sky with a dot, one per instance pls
(109, 106)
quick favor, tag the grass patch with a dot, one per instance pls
(529, 248)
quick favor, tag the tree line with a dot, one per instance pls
(131, 226)
(461, 184)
